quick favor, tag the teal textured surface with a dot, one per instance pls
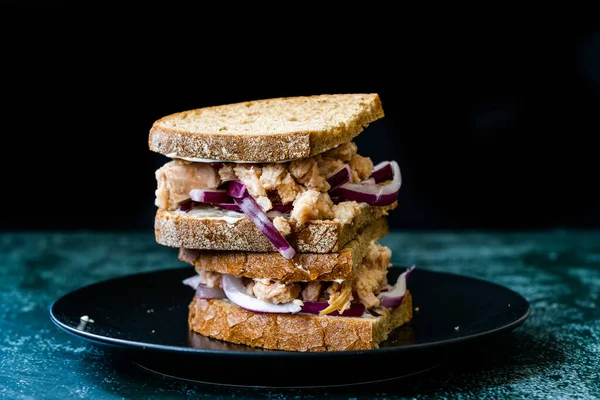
(553, 355)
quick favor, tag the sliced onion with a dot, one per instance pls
(282, 208)
(393, 297)
(375, 195)
(209, 196)
(236, 293)
(382, 172)
(340, 177)
(187, 205)
(315, 307)
(192, 281)
(228, 206)
(386, 288)
(236, 189)
(256, 214)
(205, 292)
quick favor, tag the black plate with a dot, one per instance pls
(146, 315)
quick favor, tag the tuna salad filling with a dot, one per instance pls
(301, 185)
(347, 297)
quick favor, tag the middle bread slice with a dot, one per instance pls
(303, 267)
(208, 228)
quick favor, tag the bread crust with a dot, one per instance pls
(221, 319)
(265, 130)
(302, 268)
(178, 229)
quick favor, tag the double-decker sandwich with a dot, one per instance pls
(281, 217)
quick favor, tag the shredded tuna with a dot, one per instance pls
(226, 173)
(346, 211)
(272, 175)
(311, 205)
(250, 174)
(312, 291)
(275, 291)
(264, 203)
(343, 152)
(288, 189)
(328, 166)
(362, 168)
(282, 225)
(177, 178)
(209, 278)
(371, 274)
(300, 168)
(306, 172)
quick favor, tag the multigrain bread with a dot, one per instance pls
(220, 319)
(268, 130)
(319, 259)
(194, 231)
(301, 268)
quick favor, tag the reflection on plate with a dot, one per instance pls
(146, 314)
(293, 379)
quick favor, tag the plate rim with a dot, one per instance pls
(136, 345)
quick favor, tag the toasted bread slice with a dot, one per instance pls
(221, 319)
(268, 130)
(302, 268)
(201, 230)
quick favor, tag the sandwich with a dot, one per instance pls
(280, 219)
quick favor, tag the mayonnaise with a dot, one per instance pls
(229, 216)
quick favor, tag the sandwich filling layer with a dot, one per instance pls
(369, 279)
(301, 187)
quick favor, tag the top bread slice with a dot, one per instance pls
(268, 130)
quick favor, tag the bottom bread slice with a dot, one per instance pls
(221, 319)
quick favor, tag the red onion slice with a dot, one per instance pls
(375, 195)
(315, 307)
(340, 177)
(228, 206)
(203, 291)
(256, 214)
(282, 208)
(393, 297)
(382, 172)
(187, 205)
(236, 189)
(236, 293)
(192, 281)
(209, 196)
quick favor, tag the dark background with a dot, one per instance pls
(490, 131)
